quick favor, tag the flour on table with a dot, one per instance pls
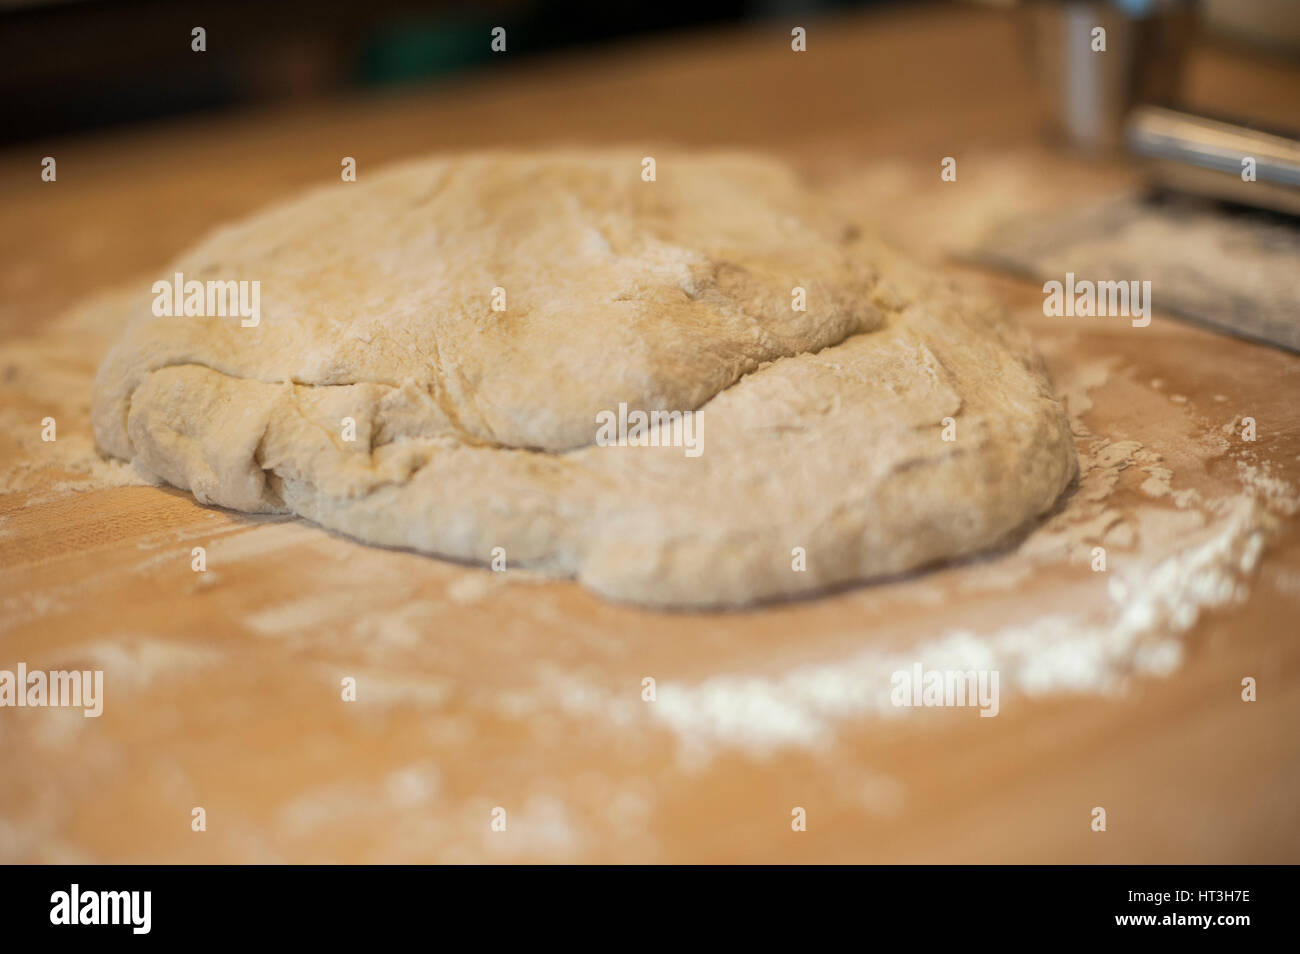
(1180, 552)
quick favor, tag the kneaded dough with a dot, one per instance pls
(821, 429)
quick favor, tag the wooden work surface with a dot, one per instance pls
(478, 690)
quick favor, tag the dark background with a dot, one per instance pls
(74, 65)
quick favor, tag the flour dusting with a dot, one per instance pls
(1174, 551)
(1196, 555)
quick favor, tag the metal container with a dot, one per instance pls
(1208, 157)
(1086, 93)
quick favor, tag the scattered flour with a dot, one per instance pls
(1196, 557)
(1182, 555)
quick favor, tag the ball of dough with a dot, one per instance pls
(439, 345)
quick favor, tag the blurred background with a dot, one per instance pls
(489, 695)
(76, 65)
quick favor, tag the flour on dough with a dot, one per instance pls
(474, 429)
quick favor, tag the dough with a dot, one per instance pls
(476, 428)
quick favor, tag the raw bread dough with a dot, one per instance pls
(475, 429)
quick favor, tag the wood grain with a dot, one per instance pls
(478, 691)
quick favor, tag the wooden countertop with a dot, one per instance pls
(477, 691)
